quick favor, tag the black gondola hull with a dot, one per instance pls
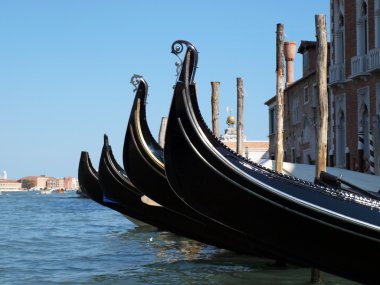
(293, 220)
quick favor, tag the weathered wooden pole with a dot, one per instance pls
(240, 119)
(321, 157)
(161, 136)
(280, 97)
(322, 118)
(215, 107)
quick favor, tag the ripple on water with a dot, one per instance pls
(61, 239)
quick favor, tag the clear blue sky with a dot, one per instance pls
(65, 67)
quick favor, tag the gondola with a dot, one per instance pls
(143, 164)
(89, 183)
(324, 227)
(117, 187)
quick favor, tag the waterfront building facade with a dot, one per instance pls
(355, 83)
(35, 182)
(62, 183)
(10, 185)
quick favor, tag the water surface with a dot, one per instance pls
(63, 239)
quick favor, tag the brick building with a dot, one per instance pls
(300, 101)
(354, 91)
(354, 81)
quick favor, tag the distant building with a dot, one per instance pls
(10, 185)
(254, 150)
(62, 183)
(37, 182)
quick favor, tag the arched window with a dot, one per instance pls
(341, 139)
(339, 32)
(377, 23)
(362, 27)
(364, 15)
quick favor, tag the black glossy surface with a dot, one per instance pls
(293, 219)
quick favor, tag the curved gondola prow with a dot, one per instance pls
(138, 125)
(108, 161)
(88, 178)
(108, 151)
(186, 76)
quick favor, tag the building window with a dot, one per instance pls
(305, 60)
(272, 121)
(314, 96)
(296, 111)
(341, 139)
(293, 154)
(339, 32)
(377, 23)
(306, 94)
(362, 28)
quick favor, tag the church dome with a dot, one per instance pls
(230, 120)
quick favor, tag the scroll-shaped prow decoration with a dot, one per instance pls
(177, 48)
(141, 89)
(135, 81)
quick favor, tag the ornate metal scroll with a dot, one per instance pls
(177, 49)
(135, 81)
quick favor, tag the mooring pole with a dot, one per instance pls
(240, 119)
(161, 136)
(371, 155)
(215, 107)
(322, 119)
(280, 97)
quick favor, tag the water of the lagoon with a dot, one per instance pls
(63, 239)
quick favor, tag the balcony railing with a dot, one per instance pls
(374, 59)
(359, 65)
(336, 73)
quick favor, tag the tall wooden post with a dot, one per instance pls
(321, 157)
(161, 136)
(280, 97)
(240, 119)
(215, 107)
(322, 118)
